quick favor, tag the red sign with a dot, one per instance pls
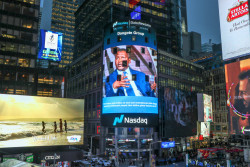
(238, 11)
(132, 3)
(98, 129)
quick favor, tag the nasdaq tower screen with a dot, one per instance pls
(130, 75)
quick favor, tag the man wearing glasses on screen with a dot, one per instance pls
(125, 81)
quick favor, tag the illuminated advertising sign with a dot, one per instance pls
(238, 99)
(234, 23)
(132, 3)
(129, 77)
(180, 113)
(167, 144)
(205, 109)
(205, 129)
(50, 45)
(29, 121)
(136, 14)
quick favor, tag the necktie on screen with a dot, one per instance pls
(129, 90)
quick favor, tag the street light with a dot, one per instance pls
(150, 149)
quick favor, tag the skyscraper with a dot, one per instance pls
(93, 15)
(58, 16)
(18, 52)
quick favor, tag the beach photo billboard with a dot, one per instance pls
(30, 121)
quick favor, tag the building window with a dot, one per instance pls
(108, 41)
(133, 38)
(143, 50)
(146, 39)
(119, 39)
(137, 63)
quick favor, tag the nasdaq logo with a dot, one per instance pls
(118, 120)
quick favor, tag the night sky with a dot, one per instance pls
(203, 17)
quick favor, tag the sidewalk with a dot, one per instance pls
(178, 164)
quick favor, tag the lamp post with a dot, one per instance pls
(150, 149)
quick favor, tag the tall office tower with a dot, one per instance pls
(93, 15)
(19, 21)
(63, 20)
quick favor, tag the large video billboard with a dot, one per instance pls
(234, 24)
(205, 109)
(238, 96)
(180, 113)
(50, 45)
(29, 121)
(130, 76)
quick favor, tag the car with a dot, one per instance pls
(106, 163)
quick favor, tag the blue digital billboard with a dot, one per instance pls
(129, 76)
(167, 144)
(136, 14)
(50, 45)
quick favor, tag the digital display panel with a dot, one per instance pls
(168, 144)
(180, 113)
(234, 24)
(29, 121)
(238, 99)
(50, 45)
(205, 109)
(130, 76)
(205, 129)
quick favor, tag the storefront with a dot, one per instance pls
(62, 159)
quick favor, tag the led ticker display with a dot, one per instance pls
(168, 144)
(130, 76)
(180, 113)
(50, 45)
(29, 121)
(238, 99)
(234, 24)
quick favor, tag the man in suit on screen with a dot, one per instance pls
(125, 81)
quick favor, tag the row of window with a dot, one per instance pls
(178, 85)
(13, 47)
(178, 63)
(18, 9)
(180, 74)
(84, 84)
(15, 61)
(16, 34)
(35, 2)
(20, 22)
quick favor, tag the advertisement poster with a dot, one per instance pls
(234, 24)
(238, 99)
(208, 114)
(181, 113)
(130, 76)
(28, 121)
(50, 45)
(205, 129)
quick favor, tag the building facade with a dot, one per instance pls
(93, 15)
(215, 85)
(18, 52)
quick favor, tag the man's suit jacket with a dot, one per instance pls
(141, 83)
